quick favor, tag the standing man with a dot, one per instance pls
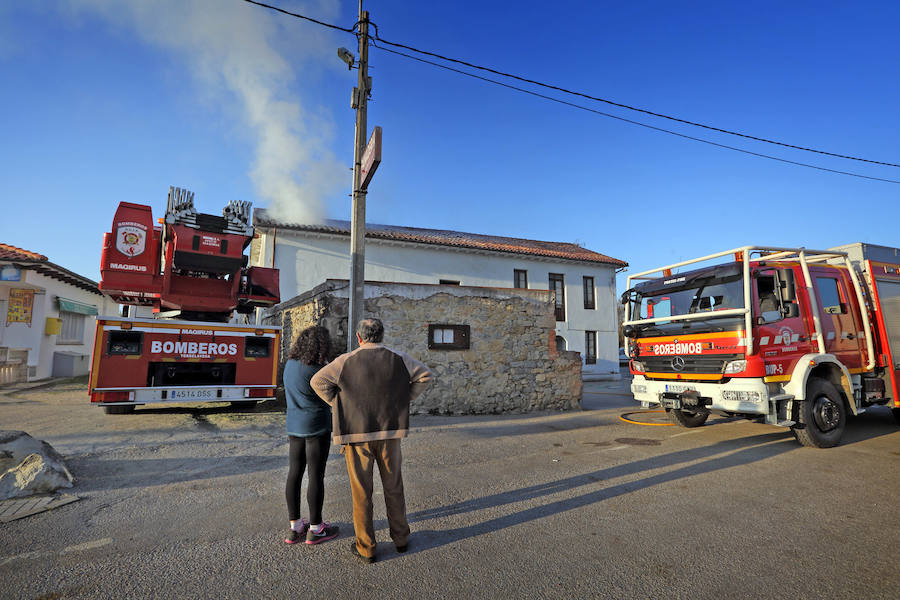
(369, 390)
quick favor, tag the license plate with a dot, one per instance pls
(678, 388)
(191, 394)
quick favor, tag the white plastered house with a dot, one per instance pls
(306, 255)
(48, 317)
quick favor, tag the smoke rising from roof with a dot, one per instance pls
(230, 49)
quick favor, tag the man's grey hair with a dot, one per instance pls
(371, 330)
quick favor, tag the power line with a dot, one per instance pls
(597, 99)
(305, 18)
(628, 107)
(611, 116)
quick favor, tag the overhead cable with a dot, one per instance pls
(378, 38)
(631, 121)
(633, 108)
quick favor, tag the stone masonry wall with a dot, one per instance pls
(512, 365)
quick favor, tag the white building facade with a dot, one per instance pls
(307, 255)
(48, 317)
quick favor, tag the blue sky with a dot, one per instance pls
(106, 101)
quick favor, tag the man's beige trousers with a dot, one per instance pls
(361, 458)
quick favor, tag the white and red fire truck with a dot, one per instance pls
(789, 336)
(190, 269)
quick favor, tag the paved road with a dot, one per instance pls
(188, 502)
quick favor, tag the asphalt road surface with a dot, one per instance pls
(188, 502)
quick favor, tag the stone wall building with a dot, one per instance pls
(492, 350)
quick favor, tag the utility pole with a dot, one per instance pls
(358, 219)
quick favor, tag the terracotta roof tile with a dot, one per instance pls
(39, 263)
(442, 237)
(8, 252)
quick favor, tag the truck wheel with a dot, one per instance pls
(118, 410)
(896, 413)
(823, 416)
(686, 418)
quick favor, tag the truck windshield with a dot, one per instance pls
(704, 291)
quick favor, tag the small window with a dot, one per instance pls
(72, 330)
(448, 337)
(557, 284)
(830, 296)
(589, 293)
(520, 279)
(448, 282)
(560, 343)
(590, 347)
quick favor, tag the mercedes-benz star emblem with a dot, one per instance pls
(677, 364)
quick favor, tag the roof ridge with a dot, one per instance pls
(450, 237)
(16, 250)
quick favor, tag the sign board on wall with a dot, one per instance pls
(21, 303)
(10, 273)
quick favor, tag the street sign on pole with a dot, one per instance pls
(371, 158)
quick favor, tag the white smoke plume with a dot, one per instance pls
(236, 53)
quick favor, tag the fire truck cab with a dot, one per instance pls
(790, 336)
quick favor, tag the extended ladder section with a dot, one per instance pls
(743, 254)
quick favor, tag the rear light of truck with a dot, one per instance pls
(112, 397)
(259, 393)
(257, 347)
(125, 343)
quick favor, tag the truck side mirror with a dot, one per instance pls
(786, 286)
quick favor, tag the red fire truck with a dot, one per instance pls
(789, 336)
(191, 272)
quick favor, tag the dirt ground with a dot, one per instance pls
(188, 501)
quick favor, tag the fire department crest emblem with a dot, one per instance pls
(130, 240)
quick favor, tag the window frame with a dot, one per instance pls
(559, 307)
(67, 325)
(462, 336)
(589, 303)
(524, 274)
(841, 306)
(590, 347)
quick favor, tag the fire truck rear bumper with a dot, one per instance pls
(743, 396)
(226, 393)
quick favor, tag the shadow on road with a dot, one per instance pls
(722, 455)
(94, 475)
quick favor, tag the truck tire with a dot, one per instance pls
(118, 410)
(823, 415)
(686, 418)
(896, 413)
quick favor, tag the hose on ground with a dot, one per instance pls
(643, 412)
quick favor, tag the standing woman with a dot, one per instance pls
(309, 432)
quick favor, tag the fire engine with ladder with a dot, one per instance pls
(191, 270)
(791, 337)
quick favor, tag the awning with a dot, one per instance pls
(75, 307)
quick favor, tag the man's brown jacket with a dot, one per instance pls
(369, 391)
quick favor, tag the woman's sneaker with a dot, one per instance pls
(294, 536)
(322, 533)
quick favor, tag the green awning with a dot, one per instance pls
(75, 307)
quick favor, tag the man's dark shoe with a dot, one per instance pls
(366, 559)
(402, 549)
